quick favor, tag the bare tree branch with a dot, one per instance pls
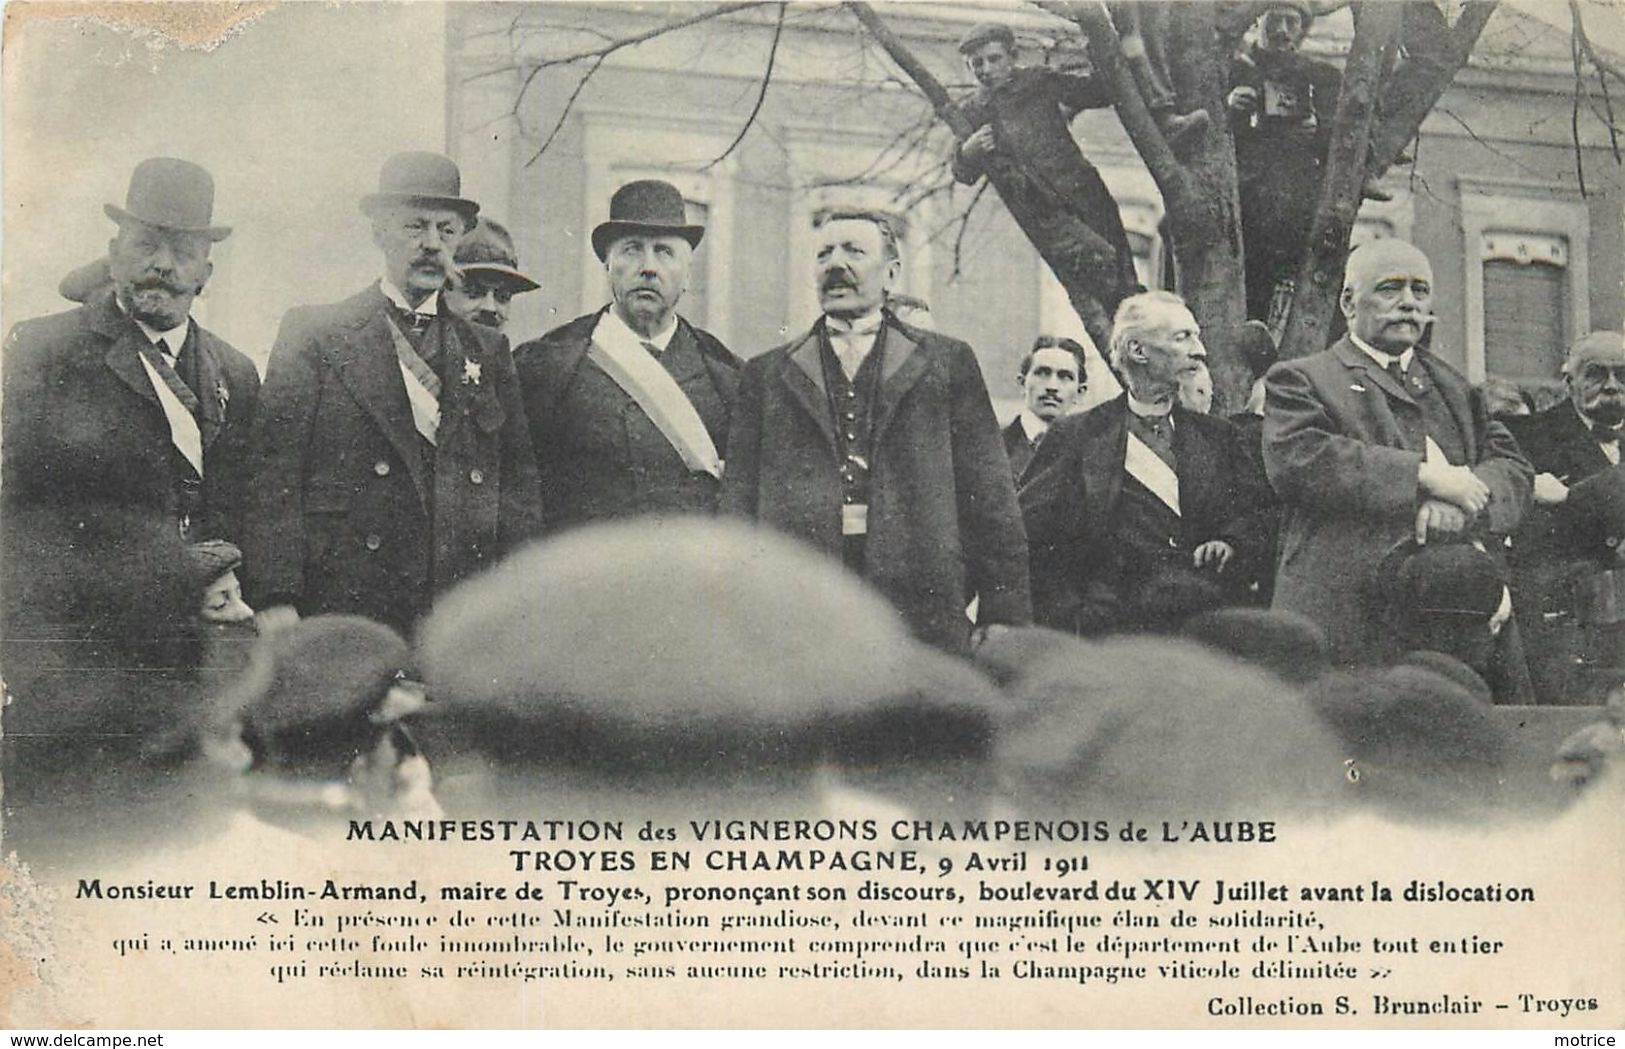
(964, 225)
(564, 114)
(1374, 42)
(1583, 42)
(761, 96)
(660, 30)
(1417, 86)
(1106, 53)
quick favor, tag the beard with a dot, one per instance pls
(157, 304)
(1608, 413)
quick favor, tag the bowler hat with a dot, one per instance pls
(488, 250)
(646, 206)
(170, 194)
(1440, 578)
(421, 178)
(986, 33)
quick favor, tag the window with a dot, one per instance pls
(1525, 302)
(1527, 247)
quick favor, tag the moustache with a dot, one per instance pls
(161, 284)
(838, 279)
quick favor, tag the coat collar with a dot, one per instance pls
(902, 365)
(1355, 358)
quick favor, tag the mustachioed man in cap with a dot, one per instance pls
(487, 276)
(629, 407)
(393, 452)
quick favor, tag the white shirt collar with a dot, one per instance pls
(660, 339)
(1139, 407)
(1032, 425)
(170, 342)
(429, 306)
(1381, 358)
(867, 324)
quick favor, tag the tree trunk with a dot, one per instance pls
(1320, 275)
(1077, 254)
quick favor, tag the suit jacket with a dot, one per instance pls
(599, 455)
(1083, 580)
(1347, 481)
(84, 428)
(1587, 527)
(353, 510)
(943, 521)
(1017, 447)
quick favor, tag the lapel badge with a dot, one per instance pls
(471, 373)
(222, 394)
(1356, 387)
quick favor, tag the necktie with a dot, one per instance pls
(1158, 433)
(1397, 370)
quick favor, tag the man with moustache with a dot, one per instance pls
(1051, 377)
(126, 436)
(487, 276)
(1140, 512)
(1577, 523)
(394, 458)
(126, 401)
(876, 443)
(1376, 439)
(629, 407)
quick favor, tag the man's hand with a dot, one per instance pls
(1436, 517)
(270, 620)
(1242, 100)
(1457, 485)
(1549, 491)
(1215, 552)
(979, 145)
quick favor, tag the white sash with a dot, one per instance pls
(183, 429)
(425, 409)
(636, 371)
(1147, 467)
(425, 405)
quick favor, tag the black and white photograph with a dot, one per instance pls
(813, 515)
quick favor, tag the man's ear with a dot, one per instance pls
(1345, 303)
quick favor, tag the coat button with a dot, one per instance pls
(381, 468)
(1612, 540)
(477, 476)
(374, 541)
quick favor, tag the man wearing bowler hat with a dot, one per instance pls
(127, 400)
(487, 276)
(629, 406)
(393, 452)
(126, 438)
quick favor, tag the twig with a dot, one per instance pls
(761, 96)
(569, 103)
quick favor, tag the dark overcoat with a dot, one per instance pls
(1346, 476)
(1018, 447)
(1069, 498)
(598, 454)
(943, 525)
(353, 511)
(84, 428)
